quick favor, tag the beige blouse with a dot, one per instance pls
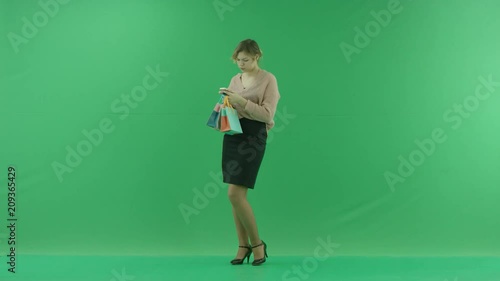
(262, 96)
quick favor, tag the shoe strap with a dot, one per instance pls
(258, 245)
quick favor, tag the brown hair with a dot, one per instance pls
(248, 46)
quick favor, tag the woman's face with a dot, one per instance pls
(246, 62)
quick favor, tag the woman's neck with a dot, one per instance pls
(253, 73)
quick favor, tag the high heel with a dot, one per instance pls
(262, 260)
(247, 256)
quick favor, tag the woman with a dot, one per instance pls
(254, 94)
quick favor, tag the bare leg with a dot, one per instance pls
(243, 210)
(242, 236)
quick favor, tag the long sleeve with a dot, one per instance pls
(231, 85)
(265, 112)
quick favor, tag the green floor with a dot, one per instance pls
(45, 268)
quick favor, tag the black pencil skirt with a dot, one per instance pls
(242, 154)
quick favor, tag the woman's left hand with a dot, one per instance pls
(233, 97)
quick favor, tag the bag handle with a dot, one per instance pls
(226, 102)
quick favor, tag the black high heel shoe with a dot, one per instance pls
(262, 260)
(247, 256)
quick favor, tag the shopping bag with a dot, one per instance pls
(213, 119)
(229, 120)
(223, 122)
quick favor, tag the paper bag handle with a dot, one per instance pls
(226, 102)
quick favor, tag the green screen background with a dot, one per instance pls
(152, 184)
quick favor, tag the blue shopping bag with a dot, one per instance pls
(214, 118)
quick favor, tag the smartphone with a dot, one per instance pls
(223, 89)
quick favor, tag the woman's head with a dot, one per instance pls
(247, 55)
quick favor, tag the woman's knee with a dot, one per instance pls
(236, 193)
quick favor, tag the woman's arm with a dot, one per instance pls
(265, 112)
